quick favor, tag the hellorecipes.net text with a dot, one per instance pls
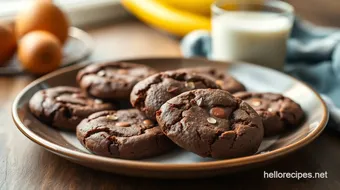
(295, 175)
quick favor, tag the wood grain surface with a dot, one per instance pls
(320, 12)
(25, 165)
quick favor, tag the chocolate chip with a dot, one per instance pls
(101, 73)
(172, 89)
(123, 124)
(199, 102)
(147, 123)
(256, 102)
(219, 82)
(190, 85)
(211, 120)
(112, 117)
(123, 71)
(76, 96)
(218, 112)
(97, 101)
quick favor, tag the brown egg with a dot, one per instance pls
(7, 43)
(39, 52)
(42, 15)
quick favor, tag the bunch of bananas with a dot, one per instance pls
(177, 17)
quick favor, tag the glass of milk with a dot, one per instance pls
(254, 31)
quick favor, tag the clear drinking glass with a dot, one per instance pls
(251, 32)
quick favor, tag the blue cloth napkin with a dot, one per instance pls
(313, 56)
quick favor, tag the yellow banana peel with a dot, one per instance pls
(201, 7)
(238, 4)
(166, 17)
(178, 17)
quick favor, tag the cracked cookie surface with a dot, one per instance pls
(64, 107)
(124, 134)
(112, 80)
(151, 93)
(211, 123)
(277, 111)
(223, 80)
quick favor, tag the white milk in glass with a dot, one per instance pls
(256, 37)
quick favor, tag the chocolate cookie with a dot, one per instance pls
(124, 134)
(151, 93)
(225, 81)
(64, 107)
(211, 123)
(112, 80)
(277, 112)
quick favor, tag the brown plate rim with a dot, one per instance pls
(257, 158)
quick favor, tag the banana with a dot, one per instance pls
(237, 4)
(194, 6)
(166, 17)
(203, 7)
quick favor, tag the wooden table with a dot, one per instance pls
(25, 165)
(321, 12)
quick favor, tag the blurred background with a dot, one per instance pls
(176, 17)
(88, 12)
(81, 12)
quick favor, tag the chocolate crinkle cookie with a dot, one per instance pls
(112, 80)
(64, 107)
(211, 123)
(151, 93)
(277, 111)
(221, 78)
(124, 134)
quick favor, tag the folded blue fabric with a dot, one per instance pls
(313, 56)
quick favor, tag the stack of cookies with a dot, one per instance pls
(202, 110)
